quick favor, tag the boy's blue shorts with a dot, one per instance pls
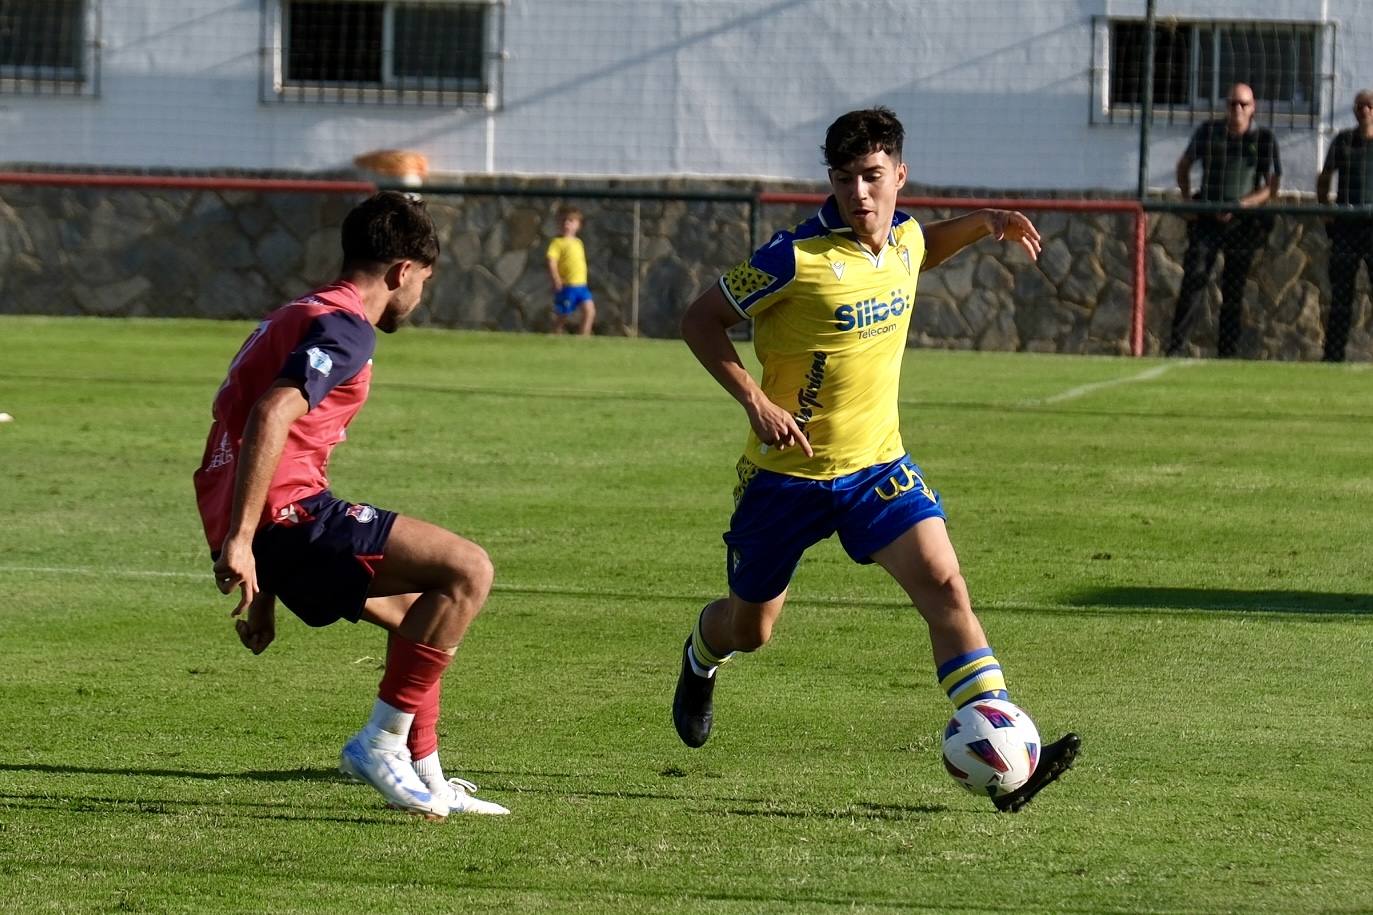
(778, 517)
(322, 566)
(569, 298)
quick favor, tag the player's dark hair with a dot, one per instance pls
(861, 133)
(387, 227)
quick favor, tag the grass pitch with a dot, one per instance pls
(1171, 558)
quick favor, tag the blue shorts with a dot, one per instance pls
(569, 298)
(778, 517)
(322, 565)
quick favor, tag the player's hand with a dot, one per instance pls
(260, 628)
(236, 568)
(1009, 225)
(776, 427)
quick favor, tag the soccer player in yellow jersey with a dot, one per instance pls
(831, 303)
(567, 274)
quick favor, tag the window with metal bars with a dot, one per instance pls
(430, 52)
(47, 47)
(1287, 64)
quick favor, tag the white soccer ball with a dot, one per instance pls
(991, 747)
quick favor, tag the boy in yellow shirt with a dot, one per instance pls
(567, 273)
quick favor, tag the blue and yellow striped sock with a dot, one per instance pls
(703, 658)
(972, 676)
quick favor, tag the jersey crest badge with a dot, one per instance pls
(361, 513)
(906, 257)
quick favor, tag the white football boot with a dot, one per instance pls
(458, 792)
(390, 772)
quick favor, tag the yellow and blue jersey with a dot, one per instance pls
(570, 255)
(830, 324)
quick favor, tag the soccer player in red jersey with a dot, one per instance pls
(276, 531)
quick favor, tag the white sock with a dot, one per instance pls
(696, 667)
(429, 768)
(389, 726)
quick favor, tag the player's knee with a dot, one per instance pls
(750, 635)
(480, 572)
(471, 574)
(955, 590)
(946, 592)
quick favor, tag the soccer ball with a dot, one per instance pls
(991, 747)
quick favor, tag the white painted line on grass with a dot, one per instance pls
(112, 573)
(208, 574)
(814, 600)
(1083, 390)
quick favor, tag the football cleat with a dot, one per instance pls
(692, 705)
(1054, 759)
(459, 793)
(390, 773)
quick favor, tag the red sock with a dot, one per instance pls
(412, 670)
(424, 734)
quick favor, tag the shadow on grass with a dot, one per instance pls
(734, 806)
(1266, 601)
(253, 810)
(857, 811)
(261, 810)
(282, 775)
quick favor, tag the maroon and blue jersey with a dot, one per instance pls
(322, 342)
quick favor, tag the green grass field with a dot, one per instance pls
(1170, 558)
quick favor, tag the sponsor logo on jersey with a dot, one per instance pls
(809, 395)
(319, 360)
(903, 481)
(870, 311)
(223, 455)
(838, 268)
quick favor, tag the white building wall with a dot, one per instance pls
(994, 93)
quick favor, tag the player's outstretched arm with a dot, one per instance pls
(704, 328)
(947, 237)
(264, 439)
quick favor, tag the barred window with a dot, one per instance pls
(1195, 62)
(437, 52)
(47, 46)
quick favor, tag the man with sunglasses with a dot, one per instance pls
(1240, 166)
(1351, 239)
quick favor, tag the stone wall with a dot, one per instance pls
(237, 254)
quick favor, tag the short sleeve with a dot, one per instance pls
(756, 283)
(1274, 162)
(336, 346)
(1334, 156)
(1197, 144)
(554, 248)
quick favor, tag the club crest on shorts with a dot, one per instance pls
(361, 513)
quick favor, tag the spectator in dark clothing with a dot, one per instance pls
(1351, 239)
(1239, 165)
